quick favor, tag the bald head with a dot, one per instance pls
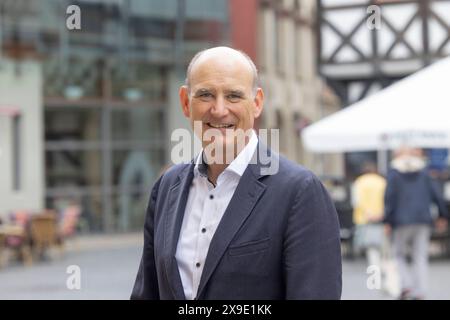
(223, 54)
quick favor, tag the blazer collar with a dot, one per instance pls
(177, 198)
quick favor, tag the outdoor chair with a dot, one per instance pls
(14, 239)
(44, 233)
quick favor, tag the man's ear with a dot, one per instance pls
(184, 101)
(259, 102)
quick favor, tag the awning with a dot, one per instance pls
(414, 111)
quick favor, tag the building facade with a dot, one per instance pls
(280, 35)
(21, 145)
(87, 115)
(366, 45)
(96, 105)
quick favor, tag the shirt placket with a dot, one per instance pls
(202, 232)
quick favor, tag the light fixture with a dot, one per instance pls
(132, 94)
(73, 92)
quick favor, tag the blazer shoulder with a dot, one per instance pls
(170, 176)
(290, 171)
(175, 170)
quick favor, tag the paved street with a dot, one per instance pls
(355, 278)
(108, 266)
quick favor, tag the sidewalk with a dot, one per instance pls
(355, 281)
(108, 266)
(104, 241)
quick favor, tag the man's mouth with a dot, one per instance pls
(220, 125)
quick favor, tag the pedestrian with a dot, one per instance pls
(409, 195)
(368, 212)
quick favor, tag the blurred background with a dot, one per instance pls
(86, 117)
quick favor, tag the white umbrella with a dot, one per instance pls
(414, 111)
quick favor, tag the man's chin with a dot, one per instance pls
(220, 152)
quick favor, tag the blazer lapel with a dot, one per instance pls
(246, 195)
(178, 196)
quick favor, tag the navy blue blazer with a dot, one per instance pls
(278, 239)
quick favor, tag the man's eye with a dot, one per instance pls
(205, 95)
(234, 97)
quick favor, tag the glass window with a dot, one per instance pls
(143, 123)
(277, 42)
(152, 27)
(73, 168)
(93, 17)
(75, 124)
(16, 145)
(136, 169)
(134, 173)
(139, 81)
(129, 210)
(74, 77)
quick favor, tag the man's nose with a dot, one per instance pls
(219, 109)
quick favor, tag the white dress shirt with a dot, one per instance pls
(205, 207)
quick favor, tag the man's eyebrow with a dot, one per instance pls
(203, 90)
(235, 92)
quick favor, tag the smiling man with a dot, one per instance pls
(223, 97)
(223, 228)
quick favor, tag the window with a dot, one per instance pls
(277, 42)
(16, 145)
(139, 124)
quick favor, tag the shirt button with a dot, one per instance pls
(203, 230)
(211, 196)
(197, 264)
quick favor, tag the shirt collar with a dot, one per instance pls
(238, 165)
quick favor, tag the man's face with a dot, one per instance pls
(221, 98)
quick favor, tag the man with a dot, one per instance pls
(231, 230)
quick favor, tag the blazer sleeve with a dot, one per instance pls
(437, 197)
(390, 198)
(312, 253)
(146, 283)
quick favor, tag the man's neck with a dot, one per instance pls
(214, 170)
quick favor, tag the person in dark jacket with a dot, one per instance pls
(409, 195)
(236, 229)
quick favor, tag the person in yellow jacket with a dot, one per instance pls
(368, 211)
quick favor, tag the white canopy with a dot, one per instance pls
(414, 111)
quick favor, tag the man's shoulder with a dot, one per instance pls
(292, 172)
(170, 176)
(294, 181)
(174, 171)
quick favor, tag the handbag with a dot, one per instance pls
(368, 235)
(389, 271)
